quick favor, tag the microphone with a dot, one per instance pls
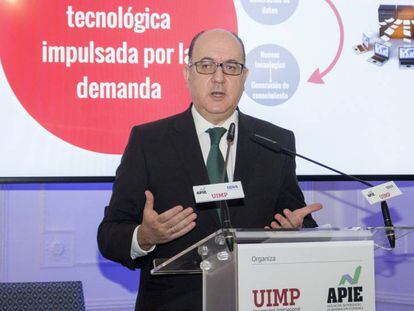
(230, 138)
(224, 207)
(276, 147)
(232, 132)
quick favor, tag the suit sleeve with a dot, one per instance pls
(291, 196)
(125, 208)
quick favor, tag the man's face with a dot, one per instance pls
(215, 96)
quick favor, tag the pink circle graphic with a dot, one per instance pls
(87, 71)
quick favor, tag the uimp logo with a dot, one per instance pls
(219, 195)
(275, 297)
(384, 195)
(343, 294)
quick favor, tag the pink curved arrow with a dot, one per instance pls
(317, 76)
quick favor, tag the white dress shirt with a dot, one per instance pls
(202, 125)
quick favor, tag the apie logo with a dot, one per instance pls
(371, 194)
(202, 191)
(342, 294)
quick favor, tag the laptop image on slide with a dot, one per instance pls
(382, 54)
(364, 47)
(406, 57)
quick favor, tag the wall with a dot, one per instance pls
(48, 232)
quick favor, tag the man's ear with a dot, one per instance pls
(245, 75)
(186, 73)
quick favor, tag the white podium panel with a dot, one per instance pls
(302, 276)
(285, 270)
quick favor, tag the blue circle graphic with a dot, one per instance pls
(273, 75)
(270, 12)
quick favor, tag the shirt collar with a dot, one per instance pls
(202, 125)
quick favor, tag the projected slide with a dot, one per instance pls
(76, 76)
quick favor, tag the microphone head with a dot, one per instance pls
(231, 133)
(266, 142)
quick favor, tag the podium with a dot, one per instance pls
(285, 270)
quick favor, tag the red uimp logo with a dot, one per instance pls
(275, 297)
(384, 195)
(219, 195)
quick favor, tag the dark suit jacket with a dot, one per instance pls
(165, 157)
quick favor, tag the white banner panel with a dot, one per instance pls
(76, 76)
(323, 276)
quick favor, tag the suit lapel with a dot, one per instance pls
(187, 146)
(246, 157)
(246, 150)
(185, 141)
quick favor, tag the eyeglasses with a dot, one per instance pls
(208, 67)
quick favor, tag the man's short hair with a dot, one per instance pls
(193, 41)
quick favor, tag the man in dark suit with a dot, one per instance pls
(152, 212)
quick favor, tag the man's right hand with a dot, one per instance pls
(162, 228)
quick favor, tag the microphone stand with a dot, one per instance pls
(224, 207)
(275, 146)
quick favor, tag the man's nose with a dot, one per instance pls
(218, 76)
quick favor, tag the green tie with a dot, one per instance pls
(215, 161)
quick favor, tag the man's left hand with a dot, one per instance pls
(294, 219)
